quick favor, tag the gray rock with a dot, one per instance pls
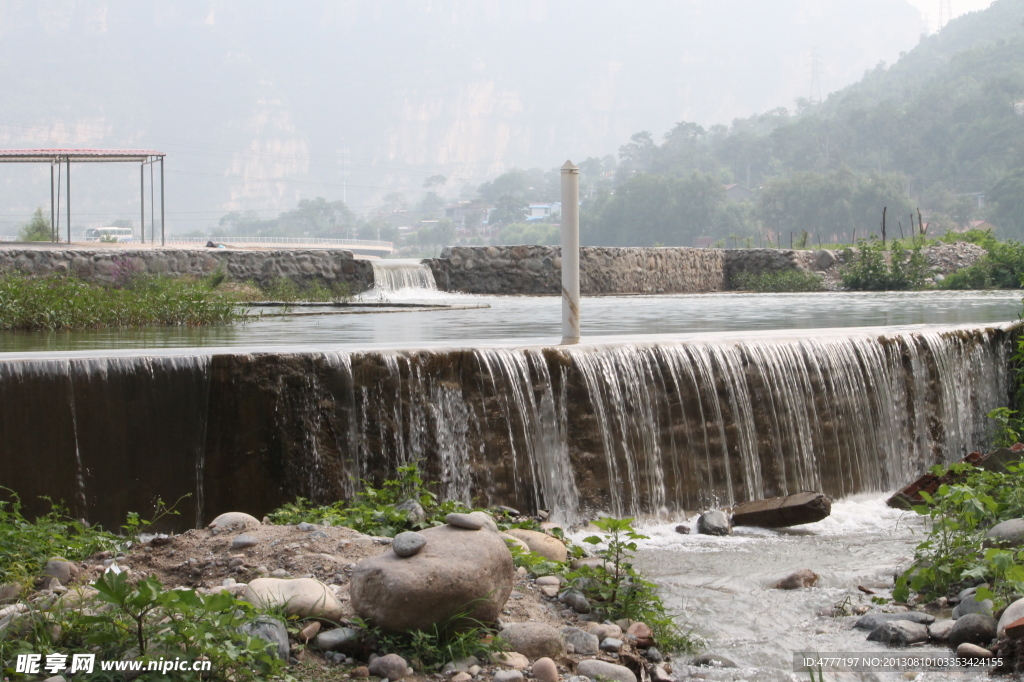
(975, 628)
(55, 678)
(968, 650)
(413, 511)
(534, 640)
(823, 259)
(871, 621)
(799, 580)
(595, 669)
(653, 655)
(485, 519)
(899, 633)
(939, 630)
(713, 523)
(584, 643)
(508, 676)
(307, 527)
(319, 535)
(1006, 534)
(972, 605)
(59, 568)
(467, 521)
(408, 543)
(345, 640)
(235, 520)
(713, 661)
(1014, 611)
(244, 542)
(271, 630)
(456, 572)
(391, 666)
(611, 644)
(575, 600)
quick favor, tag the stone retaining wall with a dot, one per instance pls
(603, 270)
(103, 264)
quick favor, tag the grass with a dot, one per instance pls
(777, 281)
(56, 303)
(288, 291)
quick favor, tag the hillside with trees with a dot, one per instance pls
(942, 130)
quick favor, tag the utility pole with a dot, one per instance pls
(815, 95)
(945, 13)
(570, 253)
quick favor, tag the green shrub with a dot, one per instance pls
(1001, 268)
(25, 546)
(616, 590)
(869, 269)
(953, 554)
(37, 229)
(66, 303)
(287, 290)
(777, 281)
(442, 643)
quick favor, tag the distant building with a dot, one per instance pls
(736, 192)
(543, 211)
(980, 225)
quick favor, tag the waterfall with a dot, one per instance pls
(642, 428)
(396, 274)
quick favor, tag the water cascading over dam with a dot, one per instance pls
(630, 428)
(396, 274)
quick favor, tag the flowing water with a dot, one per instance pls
(723, 586)
(398, 274)
(673, 404)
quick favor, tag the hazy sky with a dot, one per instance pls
(261, 103)
(957, 7)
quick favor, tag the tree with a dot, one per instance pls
(37, 229)
(1008, 198)
(434, 183)
(394, 202)
(509, 209)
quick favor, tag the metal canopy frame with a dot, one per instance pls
(58, 157)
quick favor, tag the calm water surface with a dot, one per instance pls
(538, 319)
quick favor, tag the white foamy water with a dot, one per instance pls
(722, 587)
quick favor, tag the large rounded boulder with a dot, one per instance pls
(458, 572)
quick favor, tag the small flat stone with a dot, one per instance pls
(508, 676)
(1015, 630)
(611, 644)
(871, 621)
(307, 527)
(461, 677)
(409, 543)
(583, 643)
(968, 650)
(939, 630)
(595, 669)
(466, 521)
(510, 659)
(309, 632)
(713, 661)
(244, 542)
(549, 580)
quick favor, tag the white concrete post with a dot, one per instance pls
(570, 253)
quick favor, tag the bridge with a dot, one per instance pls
(362, 247)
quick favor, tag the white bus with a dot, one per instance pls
(110, 234)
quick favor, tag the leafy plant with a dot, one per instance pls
(37, 229)
(953, 555)
(25, 546)
(444, 642)
(869, 270)
(65, 303)
(616, 590)
(157, 622)
(777, 281)
(1002, 267)
(1007, 427)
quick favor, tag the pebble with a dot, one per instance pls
(466, 521)
(361, 671)
(549, 580)
(611, 644)
(968, 650)
(511, 659)
(409, 543)
(391, 666)
(236, 562)
(461, 677)
(279, 573)
(653, 655)
(594, 669)
(307, 633)
(307, 527)
(244, 542)
(508, 676)
(544, 669)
